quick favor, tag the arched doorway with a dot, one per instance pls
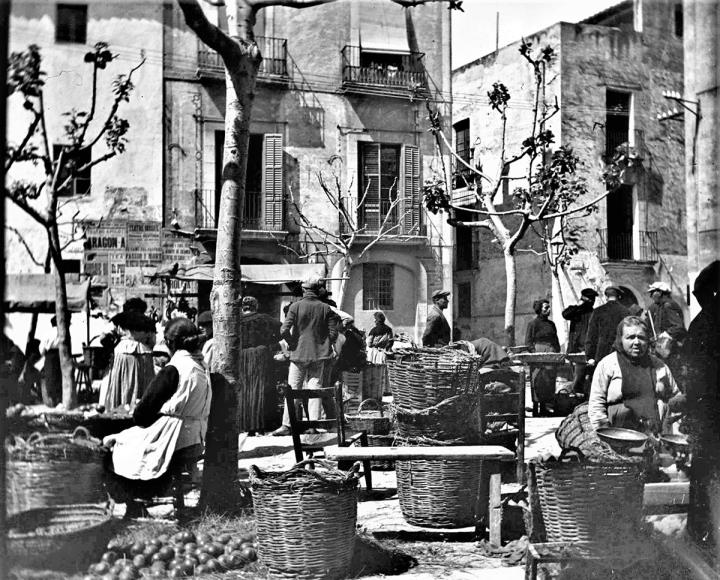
(628, 297)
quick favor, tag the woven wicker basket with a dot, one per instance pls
(65, 537)
(369, 383)
(382, 441)
(54, 469)
(373, 421)
(305, 520)
(584, 501)
(423, 378)
(450, 419)
(438, 493)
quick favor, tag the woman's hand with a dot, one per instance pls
(109, 441)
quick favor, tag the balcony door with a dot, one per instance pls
(620, 222)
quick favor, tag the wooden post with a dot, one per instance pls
(494, 502)
(520, 465)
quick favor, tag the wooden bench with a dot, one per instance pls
(491, 456)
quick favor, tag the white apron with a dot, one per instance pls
(144, 452)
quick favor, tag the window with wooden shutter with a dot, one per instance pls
(379, 185)
(273, 187)
(411, 190)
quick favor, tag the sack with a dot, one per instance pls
(664, 345)
(565, 402)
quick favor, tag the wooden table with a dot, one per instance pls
(491, 456)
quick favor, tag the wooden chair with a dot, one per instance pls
(299, 425)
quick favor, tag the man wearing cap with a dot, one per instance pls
(437, 329)
(602, 326)
(579, 316)
(664, 314)
(310, 330)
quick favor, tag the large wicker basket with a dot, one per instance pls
(54, 469)
(450, 419)
(65, 537)
(438, 493)
(382, 441)
(368, 383)
(425, 377)
(305, 520)
(588, 500)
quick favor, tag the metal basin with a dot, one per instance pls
(675, 442)
(621, 439)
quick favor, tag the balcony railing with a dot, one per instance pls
(273, 65)
(618, 246)
(253, 218)
(615, 139)
(406, 72)
(403, 218)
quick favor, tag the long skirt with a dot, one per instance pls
(542, 379)
(130, 375)
(52, 378)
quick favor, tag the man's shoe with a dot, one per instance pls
(281, 431)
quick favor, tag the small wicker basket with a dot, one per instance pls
(372, 421)
(54, 469)
(438, 493)
(305, 519)
(65, 537)
(450, 419)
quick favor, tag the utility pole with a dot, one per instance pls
(497, 31)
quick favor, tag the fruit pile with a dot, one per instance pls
(177, 556)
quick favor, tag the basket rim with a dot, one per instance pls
(103, 513)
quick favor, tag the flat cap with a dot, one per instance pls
(659, 287)
(589, 292)
(613, 291)
(440, 294)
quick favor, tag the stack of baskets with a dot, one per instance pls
(60, 515)
(434, 401)
(305, 520)
(372, 418)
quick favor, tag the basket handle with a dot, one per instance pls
(374, 402)
(81, 433)
(34, 438)
(565, 454)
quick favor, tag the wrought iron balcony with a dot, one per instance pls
(616, 139)
(404, 218)
(401, 71)
(253, 218)
(273, 66)
(619, 246)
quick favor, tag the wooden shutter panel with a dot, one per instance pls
(370, 188)
(411, 189)
(273, 187)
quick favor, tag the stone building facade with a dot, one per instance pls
(341, 91)
(608, 76)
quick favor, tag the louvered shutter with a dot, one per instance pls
(370, 188)
(411, 189)
(273, 187)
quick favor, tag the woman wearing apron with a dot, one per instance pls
(541, 336)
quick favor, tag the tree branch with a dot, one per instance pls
(26, 139)
(207, 32)
(574, 210)
(27, 208)
(21, 239)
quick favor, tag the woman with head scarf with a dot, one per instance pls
(541, 336)
(171, 420)
(379, 340)
(631, 388)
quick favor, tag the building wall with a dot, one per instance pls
(592, 58)
(321, 125)
(129, 186)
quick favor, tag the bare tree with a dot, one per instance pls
(549, 191)
(353, 239)
(241, 56)
(82, 133)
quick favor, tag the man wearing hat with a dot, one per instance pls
(579, 316)
(437, 329)
(310, 330)
(664, 314)
(602, 326)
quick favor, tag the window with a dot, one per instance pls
(80, 183)
(678, 8)
(617, 120)
(463, 176)
(71, 24)
(380, 170)
(71, 266)
(378, 286)
(464, 300)
(465, 255)
(505, 182)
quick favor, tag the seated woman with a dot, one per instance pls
(631, 388)
(171, 422)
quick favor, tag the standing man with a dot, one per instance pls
(602, 326)
(664, 314)
(310, 330)
(205, 325)
(579, 316)
(437, 329)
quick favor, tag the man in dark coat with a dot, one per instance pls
(310, 330)
(437, 329)
(579, 316)
(602, 326)
(664, 314)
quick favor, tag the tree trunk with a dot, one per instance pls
(62, 315)
(510, 296)
(558, 305)
(345, 275)
(220, 469)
